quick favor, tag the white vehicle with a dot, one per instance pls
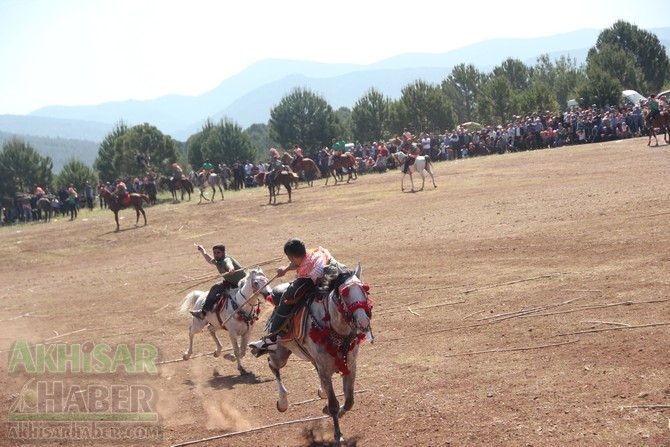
(631, 98)
(665, 93)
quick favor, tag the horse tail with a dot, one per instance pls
(316, 169)
(146, 198)
(189, 301)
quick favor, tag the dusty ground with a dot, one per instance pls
(524, 302)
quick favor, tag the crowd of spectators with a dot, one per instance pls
(520, 133)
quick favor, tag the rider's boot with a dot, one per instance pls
(199, 314)
(264, 345)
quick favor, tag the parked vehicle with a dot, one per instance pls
(631, 98)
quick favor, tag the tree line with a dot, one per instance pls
(623, 57)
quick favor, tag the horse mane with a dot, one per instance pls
(243, 281)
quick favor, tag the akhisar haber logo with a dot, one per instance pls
(82, 358)
(57, 401)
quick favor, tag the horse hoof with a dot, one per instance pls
(186, 356)
(230, 357)
(216, 354)
(282, 408)
(321, 394)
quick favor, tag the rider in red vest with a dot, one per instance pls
(310, 266)
(121, 191)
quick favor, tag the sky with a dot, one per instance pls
(88, 52)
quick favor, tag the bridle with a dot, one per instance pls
(347, 309)
(257, 284)
(337, 344)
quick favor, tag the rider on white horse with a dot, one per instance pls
(207, 169)
(232, 273)
(412, 153)
(310, 267)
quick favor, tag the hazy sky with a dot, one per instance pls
(83, 52)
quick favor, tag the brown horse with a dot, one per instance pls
(660, 122)
(134, 200)
(185, 186)
(281, 178)
(306, 166)
(346, 161)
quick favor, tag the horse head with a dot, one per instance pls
(354, 303)
(259, 282)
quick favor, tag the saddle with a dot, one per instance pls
(123, 200)
(220, 302)
(295, 325)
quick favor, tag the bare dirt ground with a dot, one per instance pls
(524, 302)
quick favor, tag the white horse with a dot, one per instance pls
(328, 336)
(213, 181)
(238, 326)
(421, 163)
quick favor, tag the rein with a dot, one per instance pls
(246, 301)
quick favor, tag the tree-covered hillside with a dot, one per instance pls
(59, 149)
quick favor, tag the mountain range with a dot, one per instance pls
(247, 97)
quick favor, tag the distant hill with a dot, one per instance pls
(248, 97)
(61, 150)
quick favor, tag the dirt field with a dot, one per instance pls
(524, 302)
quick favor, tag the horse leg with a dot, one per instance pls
(333, 407)
(432, 177)
(276, 361)
(238, 351)
(195, 327)
(411, 179)
(288, 189)
(116, 217)
(219, 346)
(348, 389)
(221, 191)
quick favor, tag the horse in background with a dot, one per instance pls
(234, 313)
(283, 178)
(328, 332)
(306, 168)
(660, 122)
(421, 163)
(339, 162)
(134, 200)
(213, 181)
(149, 189)
(184, 185)
(44, 208)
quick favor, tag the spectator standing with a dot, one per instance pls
(88, 193)
(72, 202)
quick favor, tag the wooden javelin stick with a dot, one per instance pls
(249, 299)
(227, 273)
(208, 279)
